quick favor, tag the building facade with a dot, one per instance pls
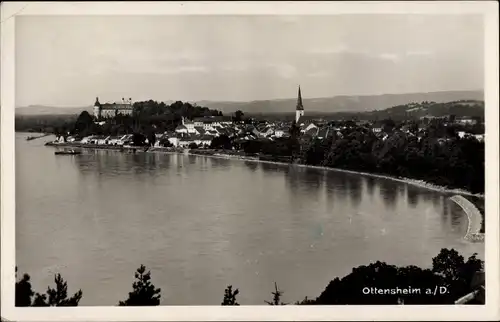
(112, 109)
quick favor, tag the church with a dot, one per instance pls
(299, 110)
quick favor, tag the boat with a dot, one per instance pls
(29, 138)
(70, 152)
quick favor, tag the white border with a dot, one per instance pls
(490, 311)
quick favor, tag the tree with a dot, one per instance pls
(166, 143)
(83, 122)
(144, 293)
(193, 145)
(222, 141)
(456, 272)
(238, 116)
(24, 292)
(230, 296)
(306, 301)
(151, 137)
(276, 296)
(57, 296)
(138, 139)
(449, 270)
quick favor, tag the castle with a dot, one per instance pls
(112, 109)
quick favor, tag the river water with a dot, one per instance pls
(200, 224)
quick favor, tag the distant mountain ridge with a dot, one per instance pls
(50, 110)
(343, 103)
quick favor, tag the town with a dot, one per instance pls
(421, 141)
(200, 132)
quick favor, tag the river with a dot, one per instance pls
(200, 224)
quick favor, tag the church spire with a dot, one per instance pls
(300, 107)
(299, 111)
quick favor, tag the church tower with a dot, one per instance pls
(97, 109)
(299, 111)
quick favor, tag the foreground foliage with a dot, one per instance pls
(449, 279)
(144, 293)
(58, 296)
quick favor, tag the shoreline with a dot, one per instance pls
(474, 216)
(214, 154)
(413, 182)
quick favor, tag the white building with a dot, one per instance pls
(112, 109)
(189, 125)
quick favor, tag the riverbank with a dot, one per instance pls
(238, 155)
(414, 182)
(475, 219)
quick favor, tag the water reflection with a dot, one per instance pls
(204, 228)
(389, 193)
(445, 215)
(412, 195)
(355, 188)
(220, 163)
(370, 185)
(337, 185)
(253, 166)
(111, 163)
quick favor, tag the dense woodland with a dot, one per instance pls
(439, 156)
(449, 270)
(148, 116)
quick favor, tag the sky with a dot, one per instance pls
(70, 60)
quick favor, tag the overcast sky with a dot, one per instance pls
(68, 61)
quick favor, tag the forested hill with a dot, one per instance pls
(354, 104)
(416, 110)
(335, 104)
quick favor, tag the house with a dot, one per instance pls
(189, 125)
(125, 139)
(323, 133)
(199, 130)
(185, 141)
(466, 121)
(310, 127)
(268, 131)
(174, 140)
(114, 140)
(203, 140)
(87, 139)
(181, 129)
(102, 140)
(280, 132)
(479, 137)
(312, 131)
(208, 122)
(377, 127)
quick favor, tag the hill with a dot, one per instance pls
(334, 104)
(50, 110)
(471, 108)
(327, 105)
